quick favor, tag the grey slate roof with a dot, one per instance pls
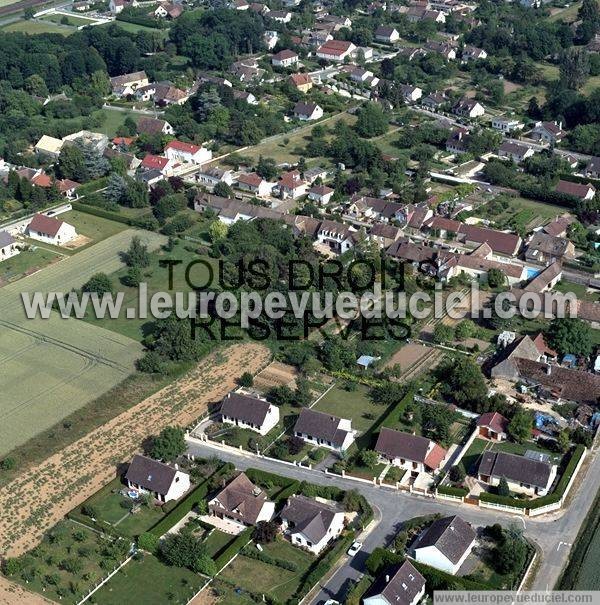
(515, 468)
(320, 425)
(399, 584)
(150, 474)
(309, 517)
(451, 536)
(250, 410)
(6, 239)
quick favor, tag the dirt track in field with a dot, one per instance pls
(37, 500)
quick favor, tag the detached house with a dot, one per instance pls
(579, 190)
(8, 247)
(445, 544)
(307, 111)
(411, 452)
(311, 524)
(154, 126)
(493, 426)
(321, 194)
(385, 33)
(249, 413)
(168, 10)
(397, 585)
(434, 100)
(339, 238)
(324, 430)
(291, 185)
(127, 84)
(158, 163)
(546, 249)
(301, 82)
(516, 152)
(160, 480)
(411, 94)
(469, 108)
(49, 146)
(255, 184)
(284, 58)
(335, 50)
(592, 169)
(186, 153)
(50, 230)
(548, 132)
(472, 53)
(242, 503)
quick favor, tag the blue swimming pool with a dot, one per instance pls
(531, 272)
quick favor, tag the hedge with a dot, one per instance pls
(265, 478)
(253, 553)
(450, 490)
(436, 579)
(234, 548)
(102, 213)
(356, 593)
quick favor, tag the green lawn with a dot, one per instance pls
(38, 27)
(150, 582)
(94, 227)
(72, 20)
(579, 290)
(351, 404)
(520, 449)
(26, 262)
(134, 28)
(112, 119)
(471, 457)
(216, 542)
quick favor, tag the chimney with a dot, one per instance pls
(387, 578)
(176, 466)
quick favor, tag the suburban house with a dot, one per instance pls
(493, 426)
(447, 51)
(472, 53)
(458, 141)
(411, 94)
(559, 226)
(397, 585)
(127, 84)
(50, 230)
(284, 58)
(546, 249)
(445, 544)
(339, 238)
(158, 163)
(242, 503)
(212, 176)
(385, 33)
(168, 10)
(411, 452)
(186, 153)
(592, 169)
(479, 263)
(506, 125)
(49, 146)
(164, 482)
(516, 152)
(335, 50)
(154, 126)
(8, 247)
(254, 183)
(578, 190)
(311, 524)
(307, 111)
(270, 39)
(366, 208)
(324, 430)
(291, 185)
(320, 194)
(469, 108)
(116, 6)
(434, 100)
(548, 132)
(384, 235)
(249, 412)
(523, 475)
(280, 16)
(302, 82)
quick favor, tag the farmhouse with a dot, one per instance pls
(50, 230)
(164, 482)
(179, 151)
(127, 84)
(324, 430)
(249, 413)
(398, 585)
(493, 426)
(311, 524)
(8, 247)
(445, 544)
(523, 475)
(411, 452)
(242, 503)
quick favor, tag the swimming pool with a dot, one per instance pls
(531, 272)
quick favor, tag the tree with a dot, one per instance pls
(582, 436)
(368, 458)
(8, 464)
(564, 440)
(463, 382)
(223, 190)
(503, 489)
(520, 425)
(137, 254)
(169, 206)
(168, 444)
(246, 380)
(99, 284)
(149, 542)
(294, 445)
(465, 329)
(205, 565)
(265, 532)
(496, 278)
(574, 68)
(388, 393)
(458, 473)
(133, 277)
(511, 555)
(182, 550)
(443, 333)
(217, 231)
(570, 335)
(172, 339)
(266, 168)
(372, 121)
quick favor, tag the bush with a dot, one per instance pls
(246, 380)
(449, 490)
(457, 473)
(149, 542)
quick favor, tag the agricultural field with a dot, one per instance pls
(55, 366)
(38, 27)
(27, 262)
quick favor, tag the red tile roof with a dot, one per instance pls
(493, 420)
(181, 146)
(154, 162)
(251, 179)
(575, 189)
(45, 224)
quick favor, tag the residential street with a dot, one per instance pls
(554, 534)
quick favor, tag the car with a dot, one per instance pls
(354, 548)
(331, 602)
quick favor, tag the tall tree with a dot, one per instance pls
(574, 68)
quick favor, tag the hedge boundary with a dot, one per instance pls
(234, 548)
(450, 490)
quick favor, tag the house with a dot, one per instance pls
(546, 249)
(365, 208)
(398, 585)
(302, 82)
(385, 33)
(321, 194)
(448, 51)
(445, 544)
(240, 5)
(186, 153)
(168, 10)
(478, 264)
(291, 185)
(337, 237)
(157, 162)
(212, 176)
(154, 126)
(86, 138)
(335, 50)
(548, 132)
(472, 53)
(523, 475)
(49, 146)
(280, 16)
(502, 243)
(242, 503)
(50, 230)
(384, 235)
(311, 524)
(493, 426)
(284, 58)
(506, 366)
(324, 430)
(68, 188)
(517, 152)
(254, 183)
(314, 173)
(8, 247)
(578, 190)
(244, 95)
(506, 125)
(410, 452)
(116, 6)
(230, 211)
(169, 95)
(249, 413)
(592, 169)
(271, 38)
(162, 481)
(307, 111)
(458, 141)
(410, 53)
(468, 108)
(434, 100)
(127, 84)
(559, 226)
(411, 94)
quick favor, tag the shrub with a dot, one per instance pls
(148, 541)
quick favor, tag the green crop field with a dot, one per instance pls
(52, 367)
(38, 27)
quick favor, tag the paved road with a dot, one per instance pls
(553, 534)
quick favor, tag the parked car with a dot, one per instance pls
(354, 548)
